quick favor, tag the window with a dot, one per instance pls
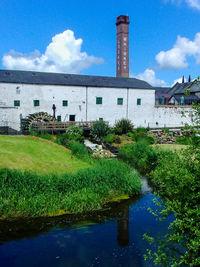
(65, 103)
(182, 100)
(139, 101)
(98, 100)
(72, 117)
(16, 103)
(119, 101)
(58, 118)
(162, 100)
(36, 103)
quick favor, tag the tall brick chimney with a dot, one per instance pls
(122, 65)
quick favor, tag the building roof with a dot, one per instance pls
(179, 88)
(45, 78)
(162, 90)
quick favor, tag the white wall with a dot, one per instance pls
(82, 103)
(171, 116)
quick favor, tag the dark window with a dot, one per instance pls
(72, 117)
(139, 101)
(162, 100)
(99, 100)
(65, 103)
(119, 101)
(58, 118)
(36, 103)
(182, 100)
(16, 103)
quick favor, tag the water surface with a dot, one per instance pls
(112, 237)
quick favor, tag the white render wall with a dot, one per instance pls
(82, 104)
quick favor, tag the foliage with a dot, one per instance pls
(183, 140)
(27, 194)
(140, 135)
(112, 138)
(100, 129)
(123, 126)
(140, 155)
(79, 150)
(73, 134)
(177, 179)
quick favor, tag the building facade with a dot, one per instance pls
(82, 98)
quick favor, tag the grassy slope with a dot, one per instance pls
(30, 153)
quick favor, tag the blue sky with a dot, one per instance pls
(164, 37)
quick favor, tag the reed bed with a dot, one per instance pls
(29, 194)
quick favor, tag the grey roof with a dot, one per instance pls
(179, 88)
(163, 90)
(32, 77)
(195, 87)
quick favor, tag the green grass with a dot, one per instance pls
(170, 147)
(34, 154)
(27, 194)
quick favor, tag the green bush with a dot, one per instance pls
(177, 181)
(79, 150)
(73, 134)
(112, 138)
(100, 129)
(140, 155)
(141, 135)
(123, 126)
(183, 140)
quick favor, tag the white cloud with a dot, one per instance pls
(176, 58)
(179, 80)
(192, 3)
(63, 54)
(149, 76)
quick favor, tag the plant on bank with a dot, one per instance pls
(27, 194)
(79, 150)
(140, 155)
(123, 126)
(112, 138)
(73, 134)
(100, 129)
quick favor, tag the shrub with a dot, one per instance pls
(79, 150)
(141, 135)
(73, 134)
(183, 140)
(112, 138)
(123, 126)
(140, 155)
(100, 129)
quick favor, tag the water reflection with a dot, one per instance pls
(123, 227)
(27, 228)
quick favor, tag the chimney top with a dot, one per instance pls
(122, 19)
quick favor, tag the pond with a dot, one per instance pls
(112, 237)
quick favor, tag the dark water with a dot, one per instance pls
(112, 237)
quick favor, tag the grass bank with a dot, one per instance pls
(27, 194)
(37, 155)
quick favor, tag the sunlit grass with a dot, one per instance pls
(34, 154)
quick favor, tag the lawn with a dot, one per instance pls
(34, 154)
(171, 147)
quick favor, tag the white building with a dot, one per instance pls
(82, 98)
